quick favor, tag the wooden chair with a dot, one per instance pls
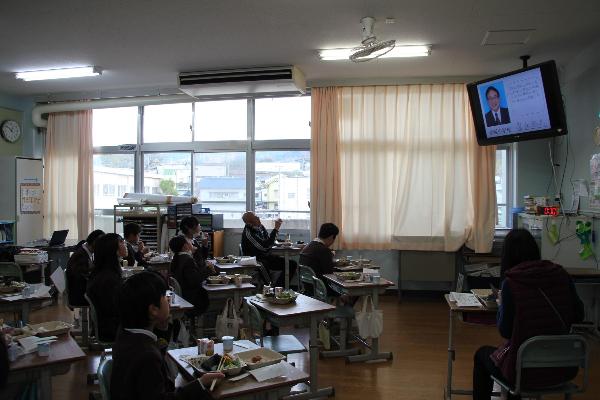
(552, 351)
(284, 344)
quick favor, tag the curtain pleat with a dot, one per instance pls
(404, 170)
(68, 174)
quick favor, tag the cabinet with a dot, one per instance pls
(149, 217)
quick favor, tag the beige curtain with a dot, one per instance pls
(325, 202)
(411, 173)
(68, 174)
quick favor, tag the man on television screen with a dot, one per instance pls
(497, 115)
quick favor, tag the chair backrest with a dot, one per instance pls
(241, 251)
(256, 321)
(305, 274)
(93, 315)
(11, 269)
(104, 374)
(320, 289)
(175, 285)
(552, 351)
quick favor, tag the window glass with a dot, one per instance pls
(168, 173)
(113, 177)
(283, 187)
(221, 120)
(282, 118)
(501, 179)
(114, 126)
(220, 184)
(168, 123)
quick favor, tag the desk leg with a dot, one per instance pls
(25, 308)
(374, 355)
(343, 351)
(314, 391)
(45, 384)
(448, 394)
(287, 270)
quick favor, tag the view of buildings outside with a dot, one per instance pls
(282, 178)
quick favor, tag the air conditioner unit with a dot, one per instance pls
(243, 81)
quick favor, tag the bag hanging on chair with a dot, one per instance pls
(228, 323)
(369, 321)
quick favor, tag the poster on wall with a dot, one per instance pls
(31, 198)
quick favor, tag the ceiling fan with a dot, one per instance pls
(370, 48)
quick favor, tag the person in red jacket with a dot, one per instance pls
(537, 298)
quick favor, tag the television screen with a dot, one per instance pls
(520, 105)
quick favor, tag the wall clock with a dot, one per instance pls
(10, 130)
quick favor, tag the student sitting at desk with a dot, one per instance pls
(78, 270)
(105, 281)
(139, 369)
(189, 274)
(135, 247)
(537, 298)
(318, 255)
(192, 231)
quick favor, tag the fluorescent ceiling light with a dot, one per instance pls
(397, 51)
(58, 73)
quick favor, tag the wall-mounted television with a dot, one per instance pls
(520, 105)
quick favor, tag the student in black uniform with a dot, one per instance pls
(189, 274)
(135, 247)
(79, 267)
(105, 281)
(139, 369)
(192, 231)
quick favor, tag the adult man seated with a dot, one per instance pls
(318, 255)
(256, 241)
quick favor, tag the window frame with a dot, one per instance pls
(249, 146)
(508, 186)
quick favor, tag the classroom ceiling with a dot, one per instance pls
(145, 44)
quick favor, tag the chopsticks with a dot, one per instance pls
(219, 369)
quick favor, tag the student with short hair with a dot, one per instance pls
(105, 281)
(139, 370)
(79, 267)
(135, 247)
(317, 254)
(189, 274)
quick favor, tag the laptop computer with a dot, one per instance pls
(58, 238)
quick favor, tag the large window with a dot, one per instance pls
(233, 155)
(220, 184)
(114, 126)
(168, 173)
(113, 177)
(281, 186)
(502, 187)
(283, 118)
(221, 120)
(168, 123)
